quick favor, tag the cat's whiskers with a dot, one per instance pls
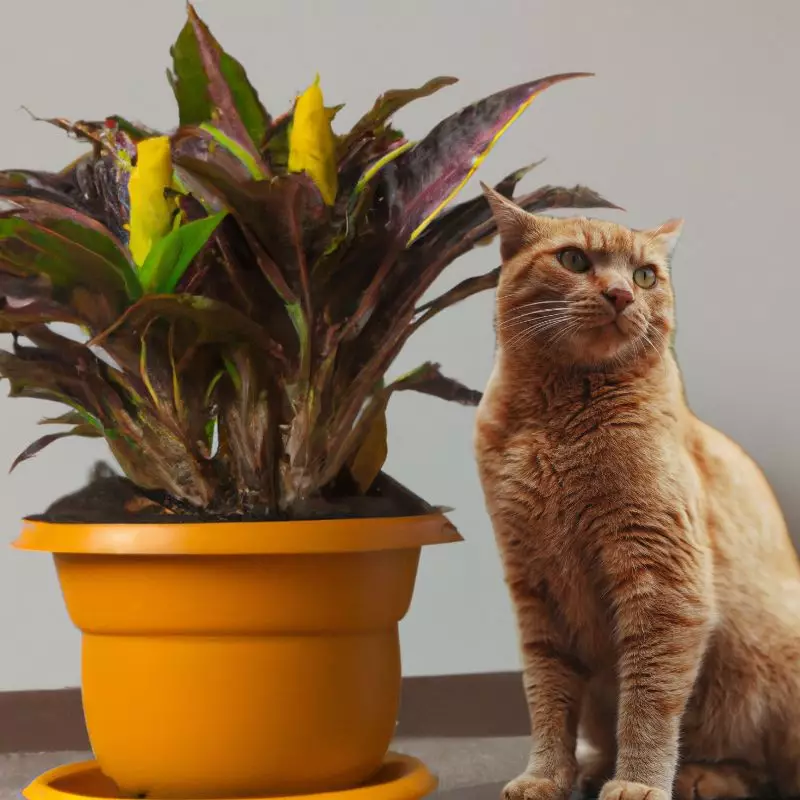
(522, 310)
(655, 349)
(527, 335)
(542, 303)
(661, 337)
(568, 330)
(531, 315)
(524, 337)
(522, 318)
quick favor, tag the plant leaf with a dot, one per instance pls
(459, 218)
(276, 148)
(135, 130)
(171, 257)
(428, 379)
(248, 430)
(254, 168)
(282, 214)
(36, 447)
(543, 199)
(312, 146)
(101, 183)
(28, 300)
(426, 178)
(211, 85)
(152, 210)
(67, 418)
(471, 225)
(49, 186)
(69, 253)
(74, 376)
(375, 168)
(371, 456)
(214, 321)
(385, 107)
(461, 291)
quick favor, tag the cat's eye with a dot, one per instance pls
(574, 260)
(645, 277)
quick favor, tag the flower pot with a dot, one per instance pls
(239, 659)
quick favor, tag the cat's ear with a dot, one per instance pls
(667, 235)
(516, 227)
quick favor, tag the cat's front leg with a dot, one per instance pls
(554, 684)
(662, 623)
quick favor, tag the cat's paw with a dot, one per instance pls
(529, 787)
(626, 790)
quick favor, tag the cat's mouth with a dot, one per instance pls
(617, 328)
(617, 323)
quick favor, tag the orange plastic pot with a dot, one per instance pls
(239, 659)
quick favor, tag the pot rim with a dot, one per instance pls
(411, 780)
(296, 537)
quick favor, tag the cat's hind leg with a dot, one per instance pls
(784, 748)
(721, 781)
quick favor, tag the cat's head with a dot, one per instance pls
(584, 292)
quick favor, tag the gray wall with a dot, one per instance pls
(694, 112)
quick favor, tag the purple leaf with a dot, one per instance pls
(424, 179)
(43, 441)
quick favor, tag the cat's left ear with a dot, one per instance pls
(667, 235)
(516, 226)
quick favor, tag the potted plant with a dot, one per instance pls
(241, 286)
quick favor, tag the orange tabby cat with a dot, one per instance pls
(656, 589)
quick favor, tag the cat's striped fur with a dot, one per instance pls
(655, 585)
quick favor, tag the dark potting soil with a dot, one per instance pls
(109, 498)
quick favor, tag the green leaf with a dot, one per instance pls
(233, 374)
(213, 385)
(169, 259)
(209, 84)
(69, 253)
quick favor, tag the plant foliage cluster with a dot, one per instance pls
(245, 281)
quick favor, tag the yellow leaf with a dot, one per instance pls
(151, 211)
(369, 459)
(312, 146)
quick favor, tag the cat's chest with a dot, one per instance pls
(566, 472)
(557, 572)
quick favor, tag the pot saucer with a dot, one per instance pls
(400, 778)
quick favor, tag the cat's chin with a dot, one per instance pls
(604, 344)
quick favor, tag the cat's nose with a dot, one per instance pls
(619, 296)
